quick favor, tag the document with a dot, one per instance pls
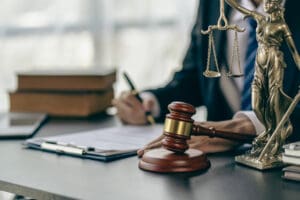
(102, 144)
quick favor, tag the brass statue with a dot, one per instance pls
(269, 101)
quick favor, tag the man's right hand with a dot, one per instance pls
(131, 110)
(241, 124)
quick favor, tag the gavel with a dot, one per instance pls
(175, 156)
(179, 127)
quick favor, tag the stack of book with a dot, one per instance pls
(291, 156)
(63, 93)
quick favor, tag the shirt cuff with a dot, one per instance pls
(259, 127)
(155, 111)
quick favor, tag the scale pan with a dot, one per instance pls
(212, 74)
(234, 75)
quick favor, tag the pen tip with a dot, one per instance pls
(151, 120)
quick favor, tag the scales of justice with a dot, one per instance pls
(269, 102)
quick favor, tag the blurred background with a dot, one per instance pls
(146, 38)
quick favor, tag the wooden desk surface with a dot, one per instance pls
(50, 176)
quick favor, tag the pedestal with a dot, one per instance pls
(165, 161)
(260, 165)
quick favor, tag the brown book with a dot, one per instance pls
(72, 104)
(72, 80)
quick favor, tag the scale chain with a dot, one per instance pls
(235, 54)
(214, 52)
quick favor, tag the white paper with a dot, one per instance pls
(124, 138)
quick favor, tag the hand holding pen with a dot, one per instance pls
(149, 117)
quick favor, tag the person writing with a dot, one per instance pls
(228, 101)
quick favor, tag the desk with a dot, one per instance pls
(50, 176)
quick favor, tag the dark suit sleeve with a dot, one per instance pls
(185, 83)
(292, 74)
(295, 118)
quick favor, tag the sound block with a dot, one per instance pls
(165, 161)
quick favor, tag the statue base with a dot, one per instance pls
(165, 161)
(253, 162)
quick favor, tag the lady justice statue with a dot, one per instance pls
(269, 101)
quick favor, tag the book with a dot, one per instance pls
(291, 173)
(63, 104)
(292, 149)
(66, 80)
(100, 144)
(290, 159)
(293, 168)
(294, 153)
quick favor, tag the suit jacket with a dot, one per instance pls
(189, 84)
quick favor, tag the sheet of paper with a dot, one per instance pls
(122, 138)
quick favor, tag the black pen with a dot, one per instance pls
(150, 118)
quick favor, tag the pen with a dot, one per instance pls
(150, 118)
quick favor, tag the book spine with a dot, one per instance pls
(65, 83)
(60, 104)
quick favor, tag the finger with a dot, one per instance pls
(119, 101)
(124, 98)
(153, 146)
(122, 107)
(215, 145)
(148, 104)
(122, 120)
(142, 151)
(114, 102)
(198, 142)
(131, 115)
(131, 100)
(156, 140)
(123, 111)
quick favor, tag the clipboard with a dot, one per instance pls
(102, 144)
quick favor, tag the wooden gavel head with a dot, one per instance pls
(178, 127)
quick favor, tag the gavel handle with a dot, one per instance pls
(212, 132)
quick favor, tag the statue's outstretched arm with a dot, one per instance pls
(234, 3)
